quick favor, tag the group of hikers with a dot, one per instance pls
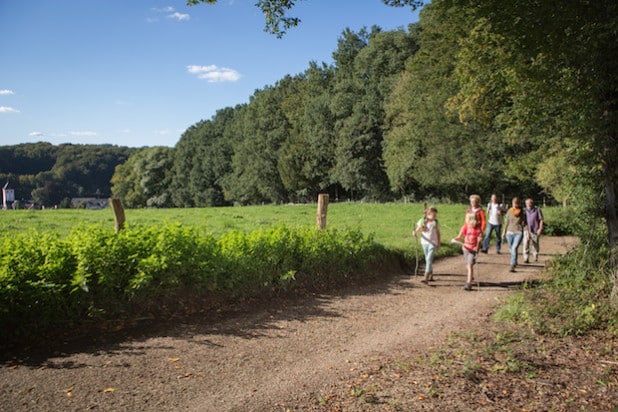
(513, 225)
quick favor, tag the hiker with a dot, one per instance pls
(514, 223)
(475, 207)
(494, 220)
(471, 235)
(534, 228)
(429, 228)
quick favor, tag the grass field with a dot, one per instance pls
(390, 223)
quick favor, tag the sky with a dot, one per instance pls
(140, 72)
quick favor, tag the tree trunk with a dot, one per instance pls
(612, 223)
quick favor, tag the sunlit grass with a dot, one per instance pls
(390, 223)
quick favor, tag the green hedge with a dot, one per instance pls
(47, 279)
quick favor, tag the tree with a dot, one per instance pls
(254, 177)
(275, 12)
(306, 157)
(545, 74)
(202, 157)
(144, 179)
(427, 151)
(366, 63)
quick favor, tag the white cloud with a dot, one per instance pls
(84, 133)
(169, 12)
(179, 16)
(214, 74)
(5, 109)
(36, 134)
(6, 92)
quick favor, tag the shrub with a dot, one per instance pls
(46, 280)
(575, 301)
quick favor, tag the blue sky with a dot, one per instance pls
(139, 72)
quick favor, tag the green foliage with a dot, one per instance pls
(50, 174)
(575, 301)
(144, 179)
(46, 279)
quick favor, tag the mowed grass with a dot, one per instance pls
(390, 223)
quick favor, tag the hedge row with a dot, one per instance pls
(47, 279)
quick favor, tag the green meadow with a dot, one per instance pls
(390, 223)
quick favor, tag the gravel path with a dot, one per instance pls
(283, 355)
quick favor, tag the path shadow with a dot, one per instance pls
(249, 318)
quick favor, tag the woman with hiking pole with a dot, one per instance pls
(429, 228)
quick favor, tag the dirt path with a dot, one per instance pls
(283, 356)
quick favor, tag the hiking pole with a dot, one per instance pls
(416, 250)
(416, 237)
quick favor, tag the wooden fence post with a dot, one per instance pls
(118, 213)
(322, 210)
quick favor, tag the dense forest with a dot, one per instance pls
(372, 126)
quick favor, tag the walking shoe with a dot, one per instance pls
(484, 251)
(526, 260)
(512, 268)
(536, 258)
(498, 252)
(467, 287)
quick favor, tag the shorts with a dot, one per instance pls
(469, 257)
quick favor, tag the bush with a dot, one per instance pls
(46, 280)
(575, 301)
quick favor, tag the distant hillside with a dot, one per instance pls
(51, 175)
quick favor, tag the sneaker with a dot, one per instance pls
(536, 258)
(512, 268)
(467, 287)
(526, 260)
(484, 251)
(498, 252)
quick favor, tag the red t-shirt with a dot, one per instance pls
(471, 237)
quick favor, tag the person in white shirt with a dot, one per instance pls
(494, 223)
(429, 228)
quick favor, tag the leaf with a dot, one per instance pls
(109, 390)
(172, 360)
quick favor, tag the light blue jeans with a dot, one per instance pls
(513, 240)
(428, 250)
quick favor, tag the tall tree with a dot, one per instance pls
(367, 63)
(306, 157)
(546, 73)
(254, 176)
(427, 150)
(144, 179)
